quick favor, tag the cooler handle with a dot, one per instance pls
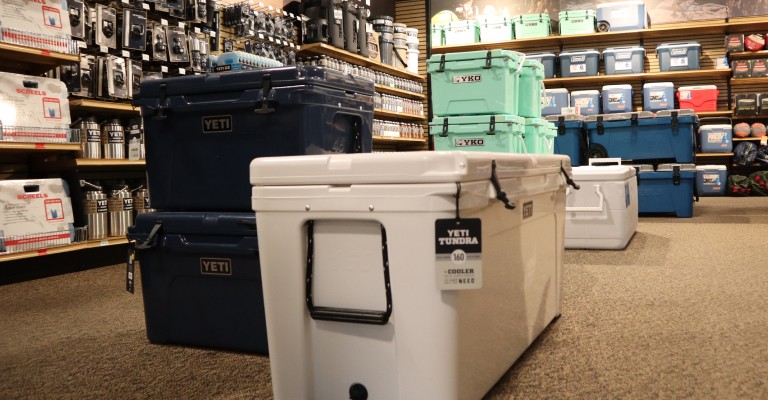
(356, 316)
(598, 208)
(246, 246)
(604, 161)
(715, 120)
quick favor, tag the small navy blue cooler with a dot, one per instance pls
(670, 188)
(203, 131)
(201, 279)
(571, 138)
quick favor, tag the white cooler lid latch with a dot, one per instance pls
(568, 178)
(500, 195)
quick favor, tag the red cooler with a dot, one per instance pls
(698, 98)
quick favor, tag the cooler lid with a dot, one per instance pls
(568, 14)
(476, 55)
(659, 85)
(410, 167)
(617, 87)
(556, 91)
(678, 45)
(642, 167)
(620, 116)
(670, 167)
(628, 48)
(585, 93)
(698, 87)
(685, 112)
(711, 168)
(539, 55)
(494, 19)
(437, 122)
(253, 79)
(566, 118)
(603, 173)
(204, 223)
(579, 52)
(532, 17)
(621, 4)
(465, 23)
(716, 127)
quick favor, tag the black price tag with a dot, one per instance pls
(129, 273)
(458, 254)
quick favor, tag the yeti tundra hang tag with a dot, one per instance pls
(458, 254)
(467, 78)
(217, 124)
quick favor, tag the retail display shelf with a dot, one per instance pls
(747, 55)
(713, 155)
(707, 114)
(91, 162)
(90, 105)
(672, 31)
(750, 117)
(399, 92)
(112, 241)
(749, 81)
(643, 77)
(388, 139)
(322, 49)
(746, 139)
(23, 147)
(390, 115)
(16, 58)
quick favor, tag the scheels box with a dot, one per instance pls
(33, 109)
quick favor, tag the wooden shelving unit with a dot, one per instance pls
(322, 49)
(387, 139)
(34, 147)
(95, 163)
(391, 115)
(399, 92)
(644, 77)
(746, 139)
(745, 55)
(713, 155)
(708, 114)
(99, 106)
(749, 81)
(113, 241)
(35, 61)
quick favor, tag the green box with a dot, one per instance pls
(539, 136)
(438, 35)
(577, 22)
(530, 26)
(475, 82)
(531, 89)
(496, 133)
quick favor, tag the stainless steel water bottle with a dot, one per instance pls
(113, 139)
(90, 136)
(120, 206)
(141, 200)
(95, 208)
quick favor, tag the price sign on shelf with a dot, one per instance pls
(163, 22)
(104, 242)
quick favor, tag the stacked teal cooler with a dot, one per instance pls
(484, 101)
(577, 22)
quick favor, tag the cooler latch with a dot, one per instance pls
(264, 106)
(445, 128)
(488, 60)
(600, 126)
(676, 175)
(492, 126)
(441, 68)
(560, 126)
(674, 120)
(633, 118)
(162, 102)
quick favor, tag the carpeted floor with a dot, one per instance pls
(682, 313)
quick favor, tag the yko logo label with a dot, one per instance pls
(470, 142)
(216, 266)
(217, 123)
(467, 78)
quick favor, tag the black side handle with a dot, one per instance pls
(370, 317)
(31, 188)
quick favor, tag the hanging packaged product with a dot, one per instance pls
(106, 26)
(34, 214)
(529, 26)
(177, 44)
(70, 75)
(658, 96)
(495, 28)
(588, 102)
(624, 60)
(622, 16)
(498, 133)
(700, 98)
(745, 104)
(158, 42)
(678, 56)
(462, 32)
(117, 78)
(87, 76)
(617, 98)
(734, 43)
(79, 19)
(38, 24)
(668, 189)
(134, 29)
(570, 139)
(577, 22)
(579, 63)
(553, 101)
(711, 180)
(33, 109)
(133, 71)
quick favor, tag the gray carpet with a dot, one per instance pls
(682, 313)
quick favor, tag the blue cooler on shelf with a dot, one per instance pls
(716, 138)
(624, 60)
(547, 60)
(643, 136)
(622, 16)
(201, 279)
(617, 99)
(579, 63)
(203, 131)
(711, 180)
(669, 189)
(570, 139)
(658, 96)
(588, 101)
(554, 100)
(678, 56)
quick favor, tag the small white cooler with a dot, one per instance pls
(603, 214)
(406, 301)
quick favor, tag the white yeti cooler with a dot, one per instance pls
(603, 214)
(373, 286)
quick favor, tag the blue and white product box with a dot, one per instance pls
(624, 60)
(717, 138)
(658, 96)
(587, 101)
(622, 16)
(554, 100)
(711, 180)
(603, 213)
(636, 136)
(617, 98)
(669, 189)
(496, 28)
(35, 214)
(33, 109)
(579, 63)
(548, 60)
(678, 56)
(570, 140)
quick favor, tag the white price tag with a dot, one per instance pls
(251, 32)
(212, 34)
(285, 13)
(197, 30)
(126, 53)
(292, 46)
(678, 61)
(622, 65)
(298, 47)
(164, 68)
(182, 71)
(125, 2)
(145, 57)
(271, 39)
(181, 24)
(261, 36)
(163, 22)
(368, 3)
(145, 6)
(271, 8)
(104, 242)
(81, 44)
(104, 49)
(292, 15)
(261, 4)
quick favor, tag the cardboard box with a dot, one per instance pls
(33, 109)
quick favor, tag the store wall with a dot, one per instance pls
(378, 7)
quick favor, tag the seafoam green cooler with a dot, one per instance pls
(539, 136)
(496, 133)
(531, 89)
(438, 35)
(577, 22)
(530, 26)
(475, 82)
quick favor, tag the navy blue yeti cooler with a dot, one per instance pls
(203, 131)
(570, 139)
(201, 279)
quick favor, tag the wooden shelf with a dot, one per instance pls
(749, 81)
(643, 77)
(391, 115)
(113, 241)
(400, 92)
(322, 49)
(672, 31)
(714, 155)
(746, 139)
(708, 114)
(747, 55)
(16, 58)
(26, 147)
(750, 117)
(94, 163)
(90, 105)
(387, 139)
